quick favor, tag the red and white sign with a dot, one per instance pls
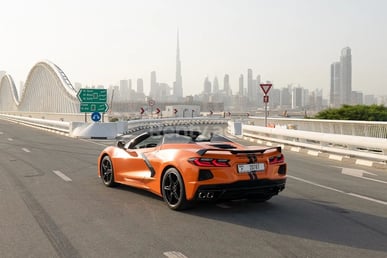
(142, 111)
(265, 99)
(151, 102)
(266, 87)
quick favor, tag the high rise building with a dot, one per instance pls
(140, 86)
(153, 85)
(334, 97)
(346, 75)
(215, 85)
(178, 84)
(241, 90)
(226, 85)
(123, 91)
(250, 91)
(341, 79)
(207, 86)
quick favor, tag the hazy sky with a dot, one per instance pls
(285, 41)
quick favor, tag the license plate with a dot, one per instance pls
(247, 168)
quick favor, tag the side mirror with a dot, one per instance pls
(121, 144)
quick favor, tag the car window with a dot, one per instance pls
(176, 138)
(149, 142)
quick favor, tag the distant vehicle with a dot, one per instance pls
(184, 167)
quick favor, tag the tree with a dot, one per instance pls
(357, 112)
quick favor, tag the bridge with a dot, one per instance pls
(47, 90)
(49, 100)
(53, 204)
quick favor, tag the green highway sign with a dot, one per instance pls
(92, 95)
(94, 107)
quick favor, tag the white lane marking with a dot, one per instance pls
(367, 198)
(360, 174)
(26, 150)
(61, 175)
(295, 149)
(174, 254)
(339, 191)
(10, 139)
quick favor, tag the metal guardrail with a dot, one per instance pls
(128, 126)
(356, 146)
(60, 126)
(136, 125)
(344, 127)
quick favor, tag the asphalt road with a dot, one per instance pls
(53, 204)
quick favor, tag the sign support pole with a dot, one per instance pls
(266, 88)
(265, 114)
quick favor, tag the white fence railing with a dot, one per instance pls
(357, 146)
(113, 129)
(345, 127)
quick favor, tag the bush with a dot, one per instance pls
(357, 112)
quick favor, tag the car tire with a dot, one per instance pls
(107, 172)
(173, 190)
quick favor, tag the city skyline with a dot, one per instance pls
(98, 43)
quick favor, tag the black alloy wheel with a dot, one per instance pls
(173, 190)
(107, 174)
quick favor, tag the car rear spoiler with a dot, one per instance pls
(201, 152)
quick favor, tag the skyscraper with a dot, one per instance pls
(250, 89)
(241, 90)
(153, 85)
(178, 84)
(140, 86)
(226, 84)
(335, 85)
(207, 86)
(215, 89)
(346, 75)
(341, 79)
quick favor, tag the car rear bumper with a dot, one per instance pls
(240, 190)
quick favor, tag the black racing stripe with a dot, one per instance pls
(255, 175)
(149, 165)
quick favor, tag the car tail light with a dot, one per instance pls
(209, 162)
(276, 159)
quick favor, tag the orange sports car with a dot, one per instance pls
(183, 167)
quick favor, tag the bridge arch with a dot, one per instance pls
(9, 98)
(47, 89)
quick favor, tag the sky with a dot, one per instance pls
(99, 42)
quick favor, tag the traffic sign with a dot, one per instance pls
(151, 102)
(266, 87)
(96, 116)
(266, 99)
(142, 111)
(94, 107)
(92, 95)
